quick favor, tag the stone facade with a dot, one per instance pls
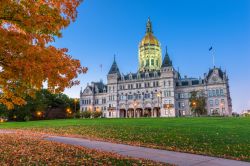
(155, 91)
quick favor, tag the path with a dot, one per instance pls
(178, 158)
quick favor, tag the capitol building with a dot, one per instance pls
(156, 89)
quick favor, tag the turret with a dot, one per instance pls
(114, 72)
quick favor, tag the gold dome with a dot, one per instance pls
(149, 39)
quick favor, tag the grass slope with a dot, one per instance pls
(222, 137)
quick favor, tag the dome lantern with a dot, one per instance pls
(149, 51)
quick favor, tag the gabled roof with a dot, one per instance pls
(219, 71)
(98, 87)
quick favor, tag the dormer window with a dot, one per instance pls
(130, 76)
(155, 74)
(122, 77)
(147, 75)
(138, 76)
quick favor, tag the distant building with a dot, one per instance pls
(156, 89)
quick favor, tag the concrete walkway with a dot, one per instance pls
(177, 158)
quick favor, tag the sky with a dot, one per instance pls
(187, 28)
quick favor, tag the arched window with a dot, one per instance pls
(152, 62)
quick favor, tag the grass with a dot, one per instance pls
(221, 137)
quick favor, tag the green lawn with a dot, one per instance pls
(222, 137)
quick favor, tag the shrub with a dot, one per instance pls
(86, 114)
(78, 115)
(96, 114)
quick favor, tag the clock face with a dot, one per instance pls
(214, 78)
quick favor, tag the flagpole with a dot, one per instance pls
(211, 50)
(213, 59)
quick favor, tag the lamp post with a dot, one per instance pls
(68, 111)
(194, 106)
(134, 104)
(158, 95)
(75, 100)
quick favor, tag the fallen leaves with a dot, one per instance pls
(28, 148)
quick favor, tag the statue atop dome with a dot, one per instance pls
(149, 26)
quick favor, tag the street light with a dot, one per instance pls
(69, 111)
(38, 113)
(158, 95)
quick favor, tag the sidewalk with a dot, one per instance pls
(177, 158)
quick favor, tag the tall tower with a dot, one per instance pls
(149, 52)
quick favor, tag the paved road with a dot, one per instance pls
(181, 159)
(6, 131)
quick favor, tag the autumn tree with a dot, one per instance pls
(27, 58)
(197, 103)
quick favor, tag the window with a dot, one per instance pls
(214, 93)
(147, 62)
(130, 76)
(184, 83)
(210, 93)
(222, 101)
(221, 92)
(216, 102)
(152, 62)
(217, 92)
(157, 62)
(103, 101)
(181, 105)
(130, 97)
(211, 103)
(195, 82)
(147, 96)
(211, 111)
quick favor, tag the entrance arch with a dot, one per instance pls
(122, 113)
(148, 112)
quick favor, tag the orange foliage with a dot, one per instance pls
(27, 60)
